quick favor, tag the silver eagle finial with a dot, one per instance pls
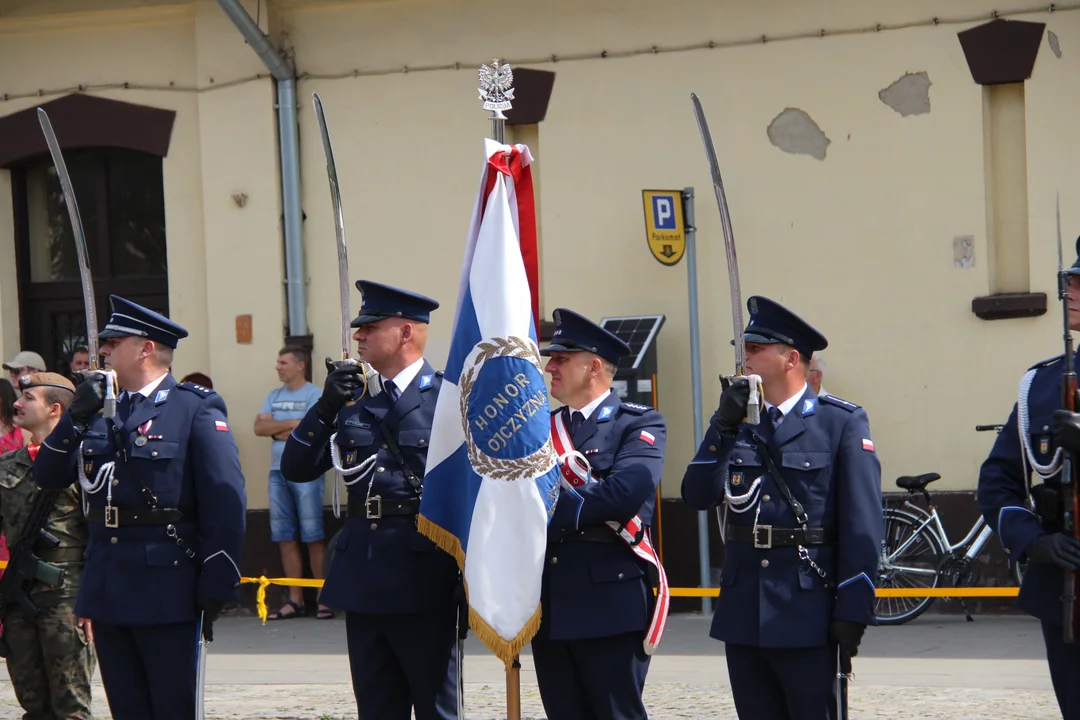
(496, 87)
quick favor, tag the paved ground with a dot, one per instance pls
(937, 667)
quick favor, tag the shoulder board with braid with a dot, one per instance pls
(197, 389)
(635, 408)
(839, 402)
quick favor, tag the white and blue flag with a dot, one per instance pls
(492, 478)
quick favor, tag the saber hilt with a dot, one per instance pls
(112, 387)
(754, 402)
(368, 374)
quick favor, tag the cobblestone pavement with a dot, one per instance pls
(937, 668)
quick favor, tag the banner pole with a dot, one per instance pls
(496, 91)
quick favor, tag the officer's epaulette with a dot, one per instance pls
(1045, 363)
(197, 389)
(839, 402)
(635, 408)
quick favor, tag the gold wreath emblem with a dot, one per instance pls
(529, 467)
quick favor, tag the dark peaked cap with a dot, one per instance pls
(1075, 269)
(383, 301)
(130, 319)
(771, 322)
(574, 333)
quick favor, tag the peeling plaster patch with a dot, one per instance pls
(1055, 46)
(793, 131)
(910, 95)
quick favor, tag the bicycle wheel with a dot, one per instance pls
(909, 561)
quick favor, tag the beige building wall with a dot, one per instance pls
(860, 242)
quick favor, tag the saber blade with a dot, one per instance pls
(843, 675)
(339, 226)
(729, 237)
(200, 673)
(753, 408)
(85, 277)
(77, 230)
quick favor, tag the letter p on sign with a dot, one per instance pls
(664, 212)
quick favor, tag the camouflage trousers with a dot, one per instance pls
(50, 663)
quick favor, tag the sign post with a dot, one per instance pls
(670, 232)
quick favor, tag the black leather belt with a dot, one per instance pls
(593, 533)
(123, 517)
(377, 507)
(767, 536)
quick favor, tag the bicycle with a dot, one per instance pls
(916, 552)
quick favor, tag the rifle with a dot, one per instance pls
(1070, 499)
(24, 567)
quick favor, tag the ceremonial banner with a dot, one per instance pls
(492, 478)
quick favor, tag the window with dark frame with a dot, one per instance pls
(122, 205)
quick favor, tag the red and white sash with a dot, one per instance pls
(576, 471)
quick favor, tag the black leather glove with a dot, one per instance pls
(210, 609)
(1066, 429)
(732, 409)
(342, 382)
(89, 399)
(1055, 549)
(847, 634)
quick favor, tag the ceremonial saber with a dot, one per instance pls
(753, 407)
(200, 672)
(343, 282)
(339, 227)
(342, 256)
(843, 675)
(85, 277)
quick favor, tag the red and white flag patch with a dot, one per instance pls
(868, 444)
(224, 426)
(648, 437)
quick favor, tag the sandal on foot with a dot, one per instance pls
(298, 612)
(324, 614)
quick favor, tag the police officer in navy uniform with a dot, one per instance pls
(798, 574)
(597, 597)
(396, 587)
(1031, 441)
(167, 510)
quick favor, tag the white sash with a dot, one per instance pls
(576, 471)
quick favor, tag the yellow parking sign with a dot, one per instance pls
(664, 226)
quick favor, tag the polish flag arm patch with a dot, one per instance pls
(224, 427)
(868, 445)
(648, 437)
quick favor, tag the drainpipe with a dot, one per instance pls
(288, 138)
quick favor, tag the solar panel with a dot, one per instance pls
(638, 332)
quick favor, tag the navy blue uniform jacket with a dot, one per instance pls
(597, 589)
(138, 575)
(769, 597)
(380, 566)
(1003, 481)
